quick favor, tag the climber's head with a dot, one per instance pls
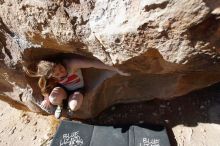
(51, 69)
(59, 71)
(45, 68)
(49, 73)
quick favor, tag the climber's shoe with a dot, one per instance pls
(47, 107)
(58, 111)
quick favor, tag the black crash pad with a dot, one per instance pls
(77, 134)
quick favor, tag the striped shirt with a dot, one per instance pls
(74, 80)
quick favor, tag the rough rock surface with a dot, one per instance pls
(170, 47)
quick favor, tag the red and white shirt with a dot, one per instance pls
(74, 80)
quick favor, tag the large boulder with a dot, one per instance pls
(170, 47)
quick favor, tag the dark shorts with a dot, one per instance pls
(70, 92)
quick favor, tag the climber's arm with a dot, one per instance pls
(88, 63)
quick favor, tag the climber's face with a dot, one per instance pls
(59, 72)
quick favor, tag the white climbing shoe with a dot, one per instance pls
(58, 111)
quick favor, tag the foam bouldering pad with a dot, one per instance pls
(77, 134)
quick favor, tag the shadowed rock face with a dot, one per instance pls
(170, 47)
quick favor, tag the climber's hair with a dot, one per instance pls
(44, 68)
(44, 72)
(46, 85)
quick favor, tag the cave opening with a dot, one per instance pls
(92, 77)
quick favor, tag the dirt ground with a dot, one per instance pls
(19, 128)
(191, 120)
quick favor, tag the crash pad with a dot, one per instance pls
(78, 134)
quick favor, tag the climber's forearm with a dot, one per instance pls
(89, 63)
